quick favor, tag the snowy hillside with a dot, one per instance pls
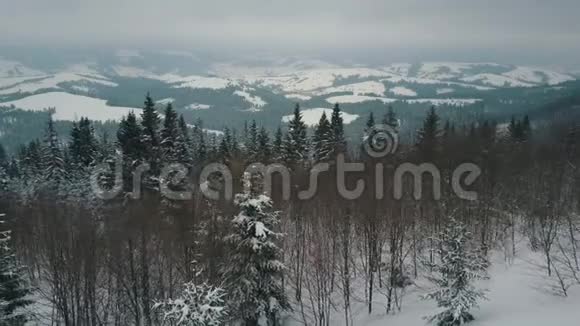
(71, 107)
(515, 298)
(251, 88)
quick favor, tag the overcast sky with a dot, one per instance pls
(543, 31)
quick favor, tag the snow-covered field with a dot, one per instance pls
(358, 99)
(255, 101)
(198, 106)
(515, 298)
(403, 91)
(312, 116)
(71, 107)
(362, 88)
(52, 82)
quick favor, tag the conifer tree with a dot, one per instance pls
(295, 143)
(130, 139)
(83, 145)
(52, 156)
(3, 156)
(429, 136)
(198, 141)
(322, 140)
(225, 147)
(251, 143)
(337, 127)
(264, 146)
(255, 269)
(183, 145)
(454, 276)
(150, 123)
(13, 286)
(278, 145)
(169, 135)
(390, 118)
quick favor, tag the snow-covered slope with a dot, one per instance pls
(516, 298)
(312, 116)
(71, 107)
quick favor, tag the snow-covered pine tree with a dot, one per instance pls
(52, 158)
(169, 135)
(251, 142)
(454, 275)
(337, 128)
(198, 305)
(278, 145)
(322, 146)
(429, 137)
(295, 145)
(254, 268)
(390, 118)
(83, 146)
(183, 143)
(150, 138)
(13, 286)
(264, 147)
(225, 147)
(198, 143)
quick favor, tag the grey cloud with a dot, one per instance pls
(527, 26)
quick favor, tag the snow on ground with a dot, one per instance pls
(214, 132)
(71, 107)
(312, 116)
(362, 88)
(316, 79)
(401, 69)
(198, 106)
(82, 89)
(538, 75)
(9, 68)
(445, 90)
(403, 91)
(176, 81)
(358, 99)
(195, 82)
(53, 81)
(450, 70)
(497, 80)
(428, 81)
(256, 101)
(515, 299)
(298, 97)
(449, 101)
(165, 101)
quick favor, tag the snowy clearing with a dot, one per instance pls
(53, 82)
(362, 88)
(445, 91)
(198, 106)
(497, 80)
(403, 91)
(312, 116)
(298, 97)
(358, 99)
(71, 107)
(165, 101)
(449, 101)
(256, 101)
(513, 301)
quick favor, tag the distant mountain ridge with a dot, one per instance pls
(225, 93)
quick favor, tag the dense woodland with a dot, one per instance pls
(73, 258)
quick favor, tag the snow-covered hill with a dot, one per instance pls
(252, 87)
